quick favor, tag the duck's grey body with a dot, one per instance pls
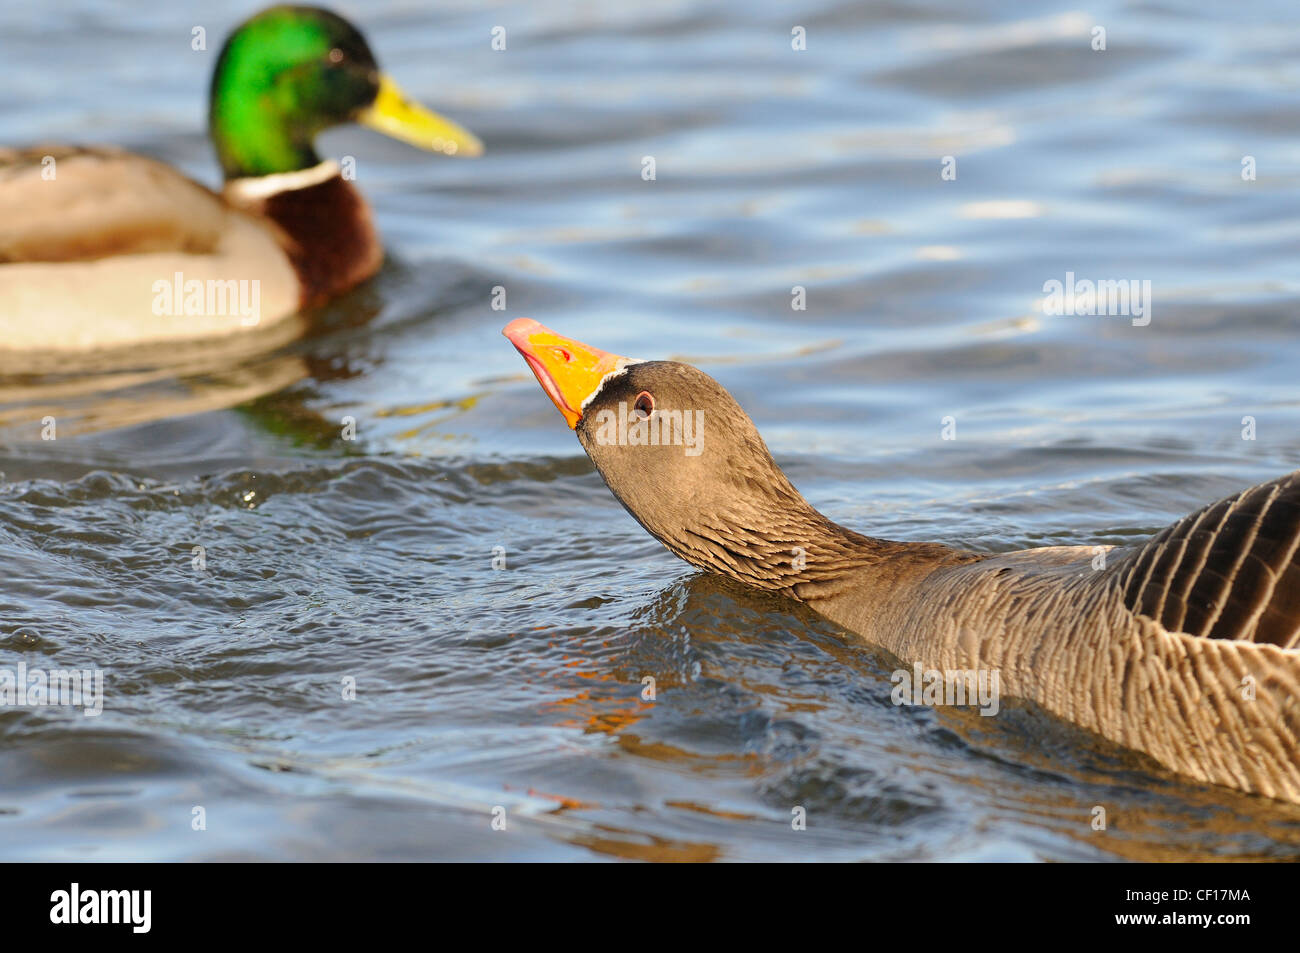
(1058, 632)
(86, 237)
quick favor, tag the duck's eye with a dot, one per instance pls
(562, 354)
(336, 55)
(645, 404)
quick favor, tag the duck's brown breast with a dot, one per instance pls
(328, 232)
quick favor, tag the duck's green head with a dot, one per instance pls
(290, 72)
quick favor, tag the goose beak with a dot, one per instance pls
(569, 371)
(396, 115)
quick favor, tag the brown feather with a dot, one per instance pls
(1228, 571)
(75, 203)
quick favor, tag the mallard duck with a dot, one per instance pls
(1185, 647)
(101, 248)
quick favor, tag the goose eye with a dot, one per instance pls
(645, 404)
(336, 55)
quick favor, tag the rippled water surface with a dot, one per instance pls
(373, 558)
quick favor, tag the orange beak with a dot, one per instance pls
(568, 370)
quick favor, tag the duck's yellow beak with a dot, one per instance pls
(393, 114)
(568, 370)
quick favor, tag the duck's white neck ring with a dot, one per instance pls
(264, 186)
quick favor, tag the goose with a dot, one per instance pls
(102, 249)
(1185, 647)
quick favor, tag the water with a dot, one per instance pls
(372, 559)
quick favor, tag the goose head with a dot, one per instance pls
(684, 459)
